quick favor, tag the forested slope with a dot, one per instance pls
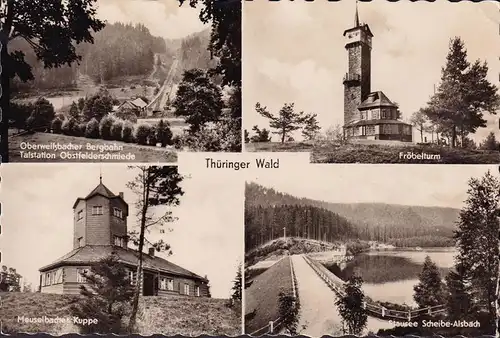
(267, 212)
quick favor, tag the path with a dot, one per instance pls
(318, 314)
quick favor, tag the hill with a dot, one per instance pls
(262, 295)
(367, 221)
(188, 316)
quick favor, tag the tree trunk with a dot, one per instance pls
(4, 101)
(421, 134)
(453, 137)
(283, 134)
(135, 302)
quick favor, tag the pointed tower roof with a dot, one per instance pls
(356, 16)
(357, 24)
(100, 190)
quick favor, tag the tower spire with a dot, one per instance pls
(356, 16)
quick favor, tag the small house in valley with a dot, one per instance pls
(100, 229)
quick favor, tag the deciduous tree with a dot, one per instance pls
(52, 28)
(198, 99)
(420, 121)
(350, 305)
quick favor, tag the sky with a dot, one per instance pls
(163, 18)
(294, 52)
(37, 218)
(412, 184)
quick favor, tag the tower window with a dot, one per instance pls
(117, 213)
(118, 241)
(80, 215)
(80, 242)
(97, 210)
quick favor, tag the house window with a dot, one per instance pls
(375, 114)
(186, 289)
(47, 279)
(131, 276)
(197, 288)
(170, 284)
(118, 241)
(370, 130)
(80, 242)
(97, 210)
(163, 284)
(117, 213)
(80, 215)
(79, 275)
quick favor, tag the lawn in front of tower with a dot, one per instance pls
(188, 316)
(141, 153)
(330, 152)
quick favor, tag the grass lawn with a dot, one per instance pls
(262, 296)
(141, 153)
(188, 316)
(373, 153)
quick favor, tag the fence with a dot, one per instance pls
(373, 309)
(275, 326)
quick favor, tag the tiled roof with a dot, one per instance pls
(101, 190)
(93, 253)
(374, 122)
(376, 99)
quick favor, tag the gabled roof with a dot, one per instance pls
(376, 99)
(100, 190)
(90, 254)
(139, 103)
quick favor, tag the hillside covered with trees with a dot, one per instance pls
(268, 211)
(119, 50)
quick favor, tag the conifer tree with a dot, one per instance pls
(287, 120)
(289, 312)
(311, 127)
(105, 294)
(237, 285)
(459, 302)
(478, 241)
(350, 306)
(430, 289)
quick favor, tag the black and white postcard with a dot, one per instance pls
(121, 80)
(373, 250)
(111, 249)
(373, 82)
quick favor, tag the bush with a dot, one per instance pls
(163, 133)
(153, 136)
(105, 127)
(69, 127)
(178, 142)
(92, 129)
(30, 123)
(127, 132)
(143, 134)
(116, 130)
(81, 127)
(57, 125)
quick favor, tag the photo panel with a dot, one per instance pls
(372, 249)
(132, 81)
(71, 247)
(373, 82)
